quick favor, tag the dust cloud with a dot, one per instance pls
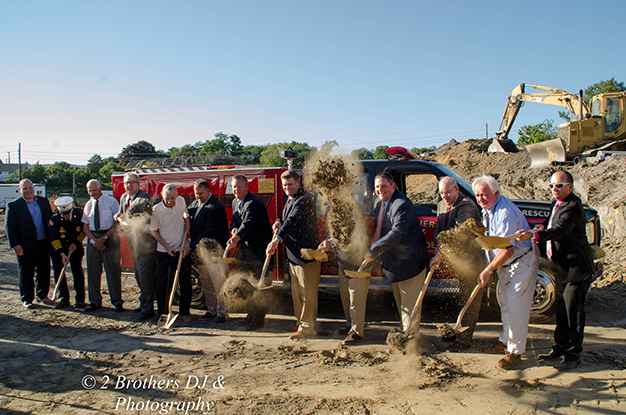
(136, 225)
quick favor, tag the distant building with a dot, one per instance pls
(7, 169)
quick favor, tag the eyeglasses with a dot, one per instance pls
(557, 185)
(130, 182)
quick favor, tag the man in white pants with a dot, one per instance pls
(516, 266)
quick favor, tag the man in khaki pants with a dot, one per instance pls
(297, 229)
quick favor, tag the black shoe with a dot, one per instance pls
(62, 304)
(28, 305)
(458, 346)
(344, 330)
(221, 319)
(137, 310)
(119, 308)
(567, 364)
(352, 339)
(80, 305)
(92, 307)
(255, 324)
(144, 317)
(553, 355)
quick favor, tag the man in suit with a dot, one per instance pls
(142, 243)
(251, 228)
(297, 229)
(67, 236)
(208, 220)
(103, 248)
(455, 209)
(567, 245)
(27, 229)
(399, 244)
(516, 267)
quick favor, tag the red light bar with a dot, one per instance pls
(401, 152)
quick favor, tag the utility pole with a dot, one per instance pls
(9, 155)
(486, 131)
(19, 159)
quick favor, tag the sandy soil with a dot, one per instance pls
(71, 362)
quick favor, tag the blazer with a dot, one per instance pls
(141, 241)
(570, 248)
(299, 226)
(462, 209)
(20, 227)
(253, 224)
(125, 196)
(211, 222)
(401, 247)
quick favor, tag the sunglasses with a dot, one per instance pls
(557, 185)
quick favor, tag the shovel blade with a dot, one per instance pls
(166, 320)
(228, 260)
(357, 274)
(493, 242)
(312, 254)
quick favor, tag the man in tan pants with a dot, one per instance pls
(297, 229)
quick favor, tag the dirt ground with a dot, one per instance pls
(71, 362)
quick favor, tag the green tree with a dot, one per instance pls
(363, 154)
(105, 174)
(531, 134)
(420, 150)
(140, 150)
(36, 173)
(602, 87)
(251, 154)
(60, 177)
(380, 153)
(270, 157)
(229, 145)
(94, 164)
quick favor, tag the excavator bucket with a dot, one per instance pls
(502, 145)
(543, 154)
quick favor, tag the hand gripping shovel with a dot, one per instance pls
(61, 277)
(314, 254)
(225, 259)
(457, 329)
(360, 273)
(166, 321)
(399, 339)
(261, 284)
(496, 242)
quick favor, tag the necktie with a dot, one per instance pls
(447, 217)
(286, 206)
(379, 223)
(549, 244)
(127, 204)
(96, 217)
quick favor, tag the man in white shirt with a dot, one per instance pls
(103, 247)
(167, 224)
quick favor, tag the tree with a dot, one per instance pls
(363, 154)
(141, 150)
(271, 157)
(105, 174)
(252, 154)
(229, 145)
(381, 153)
(531, 134)
(602, 87)
(60, 177)
(36, 174)
(94, 164)
(420, 150)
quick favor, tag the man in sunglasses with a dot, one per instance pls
(567, 245)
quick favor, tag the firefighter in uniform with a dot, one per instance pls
(66, 234)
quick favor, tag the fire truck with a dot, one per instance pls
(414, 176)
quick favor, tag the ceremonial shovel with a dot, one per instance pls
(61, 276)
(457, 327)
(225, 259)
(313, 254)
(360, 273)
(496, 242)
(166, 321)
(261, 284)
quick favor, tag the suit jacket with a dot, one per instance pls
(299, 226)
(570, 248)
(402, 246)
(141, 242)
(125, 196)
(462, 209)
(211, 222)
(63, 232)
(253, 225)
(20, 227)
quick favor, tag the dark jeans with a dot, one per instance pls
(165, 273)
(570, 319)
(34, 272)
(78, 276)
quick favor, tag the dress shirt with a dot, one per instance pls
(35, 213)
(108, 208)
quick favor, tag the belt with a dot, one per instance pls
(102, 230)
(518, 258)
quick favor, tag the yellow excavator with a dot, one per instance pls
(602, 127)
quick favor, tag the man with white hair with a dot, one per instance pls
(103, 247)
(516, 267)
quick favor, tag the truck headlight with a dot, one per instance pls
(591, 232)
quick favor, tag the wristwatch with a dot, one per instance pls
(106, 237)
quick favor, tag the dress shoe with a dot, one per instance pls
(137, 310)
(344, 330)
(62, 304)
(144, 317)
(496, 348)
(207, 315)
(553, 355)
(221, 319)
(186, 319)
(567, 364)
(28, 305)
(45, 301)
(255, 324)
(293, 328)
(298, 335)
(92, 307)
(80, 305)
(458, 346)
(119, 308)
(510, 360)
(352, 339)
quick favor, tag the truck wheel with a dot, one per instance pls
(197, 295)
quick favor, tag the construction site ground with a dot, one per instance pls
(71, 362)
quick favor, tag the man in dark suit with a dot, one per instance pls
(455, 209)
(399, 244)
(27, 229)
(208, 220)
(142, 243)
(567, 245)
(297, 229)
(251, 227)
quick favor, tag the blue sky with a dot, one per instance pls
(85, 77)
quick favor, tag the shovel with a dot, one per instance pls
(166, 321)
(261, 284)
(457, 329)
(225, 259)
(61, 277)
(360, 273)
(496, 242)
(314, 254)
(398, 338)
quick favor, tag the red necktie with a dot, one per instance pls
(549, 244)
(379, 223)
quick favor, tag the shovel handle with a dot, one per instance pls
(176, 276)
(420, 299)
(266, 265)
(61, 276)
(228, 247)
(365, 262)
(464, 309)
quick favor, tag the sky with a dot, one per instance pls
(79, 78)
